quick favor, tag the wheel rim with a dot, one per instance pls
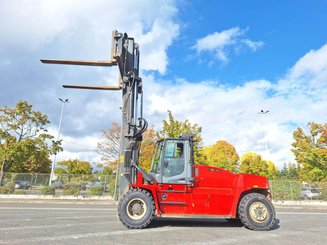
(136, 209)
(258, 212)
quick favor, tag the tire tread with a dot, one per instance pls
(148, 221)
(242, 212)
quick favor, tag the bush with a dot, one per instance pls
(11, 187)
(72, 189)
(96, 190)
(111, 185)
(20, 192)
(8, 189)
(3, 190)
(323, 186)
(48, 190)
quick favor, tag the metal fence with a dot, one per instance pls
(296, 190)
(38, 181)
(282, 189)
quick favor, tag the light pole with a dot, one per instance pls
(63, 102)
(263, 113)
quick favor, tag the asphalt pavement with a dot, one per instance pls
(96, 222)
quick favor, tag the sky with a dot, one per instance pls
(216, 63)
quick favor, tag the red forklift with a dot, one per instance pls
(176, 186)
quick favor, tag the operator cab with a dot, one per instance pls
(173, 160)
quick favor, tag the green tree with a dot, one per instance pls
(293, 171)
(107, 170)
(273, 172)
(289, 171)
(252, 163)
(284, 172)
(25, 145)
(221, 155)
(73, 166)
(310, 150)
(172, 128)
(148, 146)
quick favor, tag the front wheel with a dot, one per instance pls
(256, 212)
(136, 209)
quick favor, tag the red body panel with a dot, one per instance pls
(214, 192)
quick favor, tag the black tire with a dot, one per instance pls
(136, 209)
(306, 197)
(256, 212)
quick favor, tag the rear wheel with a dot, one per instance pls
(256, 212)
(136, 209)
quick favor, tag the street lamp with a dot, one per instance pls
(63, 102)
(263, 113)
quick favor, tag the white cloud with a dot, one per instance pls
(81, 27)
(84, 147)
(222, 43)
(78, 29)
(218, 40)
(252, 44)
(231, 113)
(308, 75)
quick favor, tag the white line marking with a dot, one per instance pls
(35, 227)
(15, 228)
(91, 235)
(70, 209)
(303, 213)
(60, 217)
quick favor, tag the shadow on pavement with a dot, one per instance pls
(194, 223)
(276, 225)
(221, 223)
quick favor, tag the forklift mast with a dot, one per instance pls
(125, 54)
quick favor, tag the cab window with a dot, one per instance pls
(174, 159)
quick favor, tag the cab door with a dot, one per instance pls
(175, 190)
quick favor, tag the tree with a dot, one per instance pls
(174, 129)
(252, 163)
(148, 146)
(109, 148)
(25, 145)
(273, 172)
(310, 151)
(289, 171)
(107, 170)
(73, 166)
(221, 155)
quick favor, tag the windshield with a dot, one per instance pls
(155, 168)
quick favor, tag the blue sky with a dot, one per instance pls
(288, 30)
(216, 63)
